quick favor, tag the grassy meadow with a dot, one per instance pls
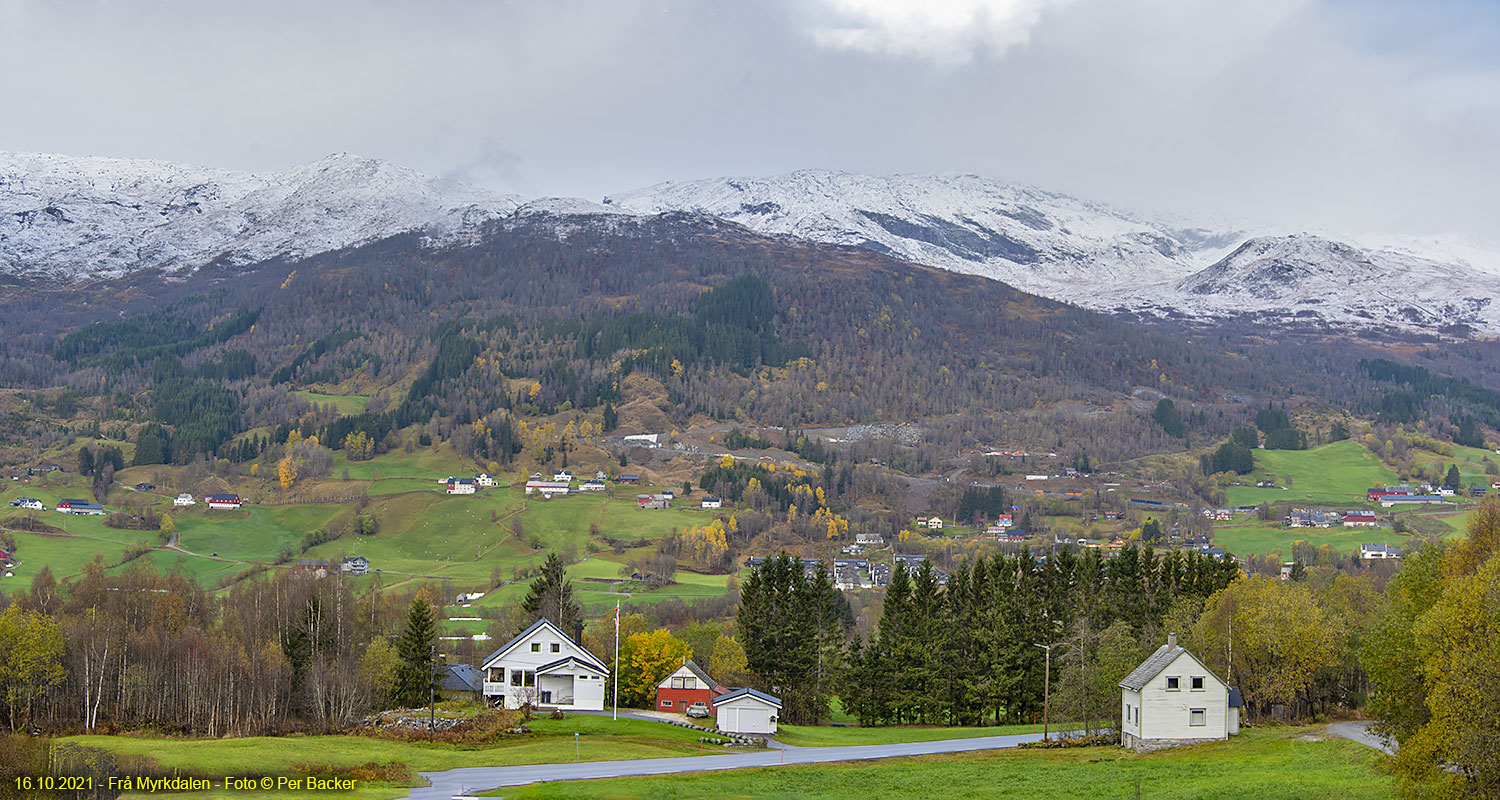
(1337, 473)
(1269, 764)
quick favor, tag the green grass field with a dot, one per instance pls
(551, 741)
(1268, 764)
(346, 404)
(1337, 473)
(1260, 539)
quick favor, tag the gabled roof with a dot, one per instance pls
(462, 678)
(737, 693)
(573, 661)
(1234, 697)
(526, 634)
(1155, 663)
(697, 672)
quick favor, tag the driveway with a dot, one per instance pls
(472, 780)
(1360, 732)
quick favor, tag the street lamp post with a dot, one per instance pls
(1046, 691)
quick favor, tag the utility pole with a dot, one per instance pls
(1046, 691)
(616, 670)
(431, 690)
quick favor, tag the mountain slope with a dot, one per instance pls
(1024, 236)
(69, 219)
(1096, 256)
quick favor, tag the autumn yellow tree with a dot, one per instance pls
(286, 471)
(646, 659)
(358, 446)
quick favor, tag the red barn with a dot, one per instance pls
(686, 686)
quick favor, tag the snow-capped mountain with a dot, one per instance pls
(1097, 256)
(1033, 239)
(1304, 274)
(68, 219)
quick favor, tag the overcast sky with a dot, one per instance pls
(1355, 114)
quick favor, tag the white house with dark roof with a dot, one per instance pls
(544, 667)
(747, 711)
(1172, 699)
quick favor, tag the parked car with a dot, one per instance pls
(698, 709)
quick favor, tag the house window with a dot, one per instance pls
(515, 677)
(666, 704)
(536, 647)
(556, 648)
(530, 679)
(1197, 683)
(1174, 683)
(1197, 716)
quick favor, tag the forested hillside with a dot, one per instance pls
(550, 311)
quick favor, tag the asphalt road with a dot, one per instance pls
(472, 780)
(1360, 732)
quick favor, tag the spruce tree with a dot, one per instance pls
(551, 597)
(415, 676)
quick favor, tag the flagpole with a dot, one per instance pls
(616, 669)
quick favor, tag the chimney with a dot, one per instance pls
(578, 633)
(1171, 641)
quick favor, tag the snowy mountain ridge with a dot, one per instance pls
(1100, 257)
(71, 220)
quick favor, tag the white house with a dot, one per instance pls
(1173, 699)
(184, 499)
(868, 539)
(747, 711)
(545, 667)
(30, 503)
(562, 476)
(935, 523)
(462, 486)
(1378, 551)
(484, 479)
(592, 486)
(713, 502)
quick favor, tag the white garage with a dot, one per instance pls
(747, 711)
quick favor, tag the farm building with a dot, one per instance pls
(184, 499)
(545, 667)
(652, 501)
(746, 711)
(548, 488)
(462, 486)
(83, 507)
(591, 486)
(713, 502)
(1360, 519)
(223, 502)
(688, 685)
(630, 479)
(1173, 699)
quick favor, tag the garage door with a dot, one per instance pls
(729, 719)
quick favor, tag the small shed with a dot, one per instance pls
(747, 711)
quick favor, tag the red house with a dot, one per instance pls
(686, 686)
